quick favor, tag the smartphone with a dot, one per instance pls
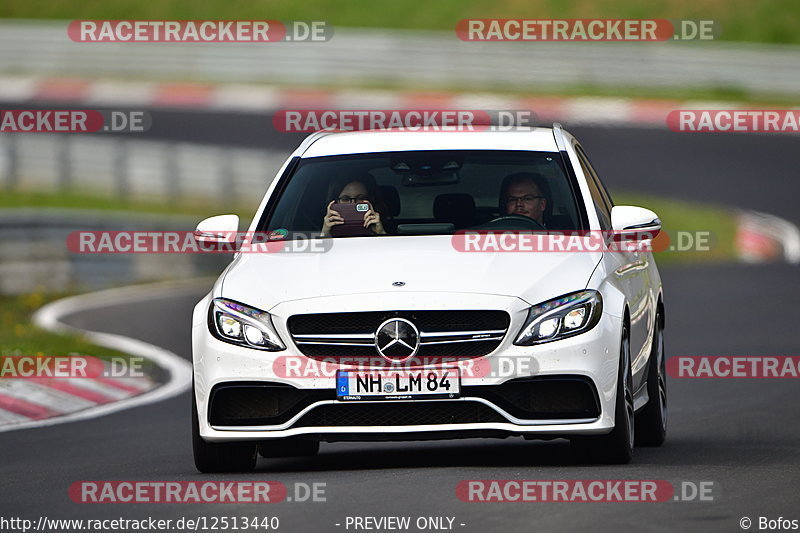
(353, 215)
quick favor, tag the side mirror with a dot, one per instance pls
(629, 219)
(220, 229)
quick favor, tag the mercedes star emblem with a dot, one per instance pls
(397, 339)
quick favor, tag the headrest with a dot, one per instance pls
(391, 199)
(455, 208)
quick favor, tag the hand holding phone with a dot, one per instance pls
(348, 219)
(332, 218)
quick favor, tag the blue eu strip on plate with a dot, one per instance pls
(342, 388)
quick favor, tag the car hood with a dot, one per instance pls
(363, 265)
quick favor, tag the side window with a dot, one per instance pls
(600, 184)
(600, 202)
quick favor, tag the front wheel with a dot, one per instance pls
(651, 421)
(211, 457)
(615, 447)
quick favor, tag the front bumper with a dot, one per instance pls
(589, 360)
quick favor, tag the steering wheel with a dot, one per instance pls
(515, 221)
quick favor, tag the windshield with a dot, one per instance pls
(425, 193)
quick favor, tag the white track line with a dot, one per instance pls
(180, 370)
(7, 417)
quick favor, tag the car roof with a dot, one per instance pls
(371, 141)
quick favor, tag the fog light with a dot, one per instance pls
(230, 327)
(253, 335)
(574, 319)
(548, 328)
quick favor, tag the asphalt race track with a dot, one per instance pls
(743, 435)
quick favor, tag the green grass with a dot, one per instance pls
(84, 200)
(681, 216)
(20, 337)
(769, 21)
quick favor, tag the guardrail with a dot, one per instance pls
(403, 58)
(155, 171)
(34, 255)
(33, 252)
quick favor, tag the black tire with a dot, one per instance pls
(212, 457)
(291, 447)
(651, 421)
(615, 447)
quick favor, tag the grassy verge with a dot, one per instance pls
(770, 21)
(83, 200)
(19, 336)
(685, 223)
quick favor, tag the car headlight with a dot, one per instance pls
(246, 326)
(561, 317)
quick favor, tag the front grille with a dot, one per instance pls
(389, 413)
(368, 322)
(444, 334)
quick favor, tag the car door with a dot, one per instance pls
(632, 270)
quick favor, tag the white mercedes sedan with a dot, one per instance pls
(399, 285)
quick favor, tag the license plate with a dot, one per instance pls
(397, 385)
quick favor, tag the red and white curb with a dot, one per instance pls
(29, 403)
(28, 399)
(762, 238)
(261, 98)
